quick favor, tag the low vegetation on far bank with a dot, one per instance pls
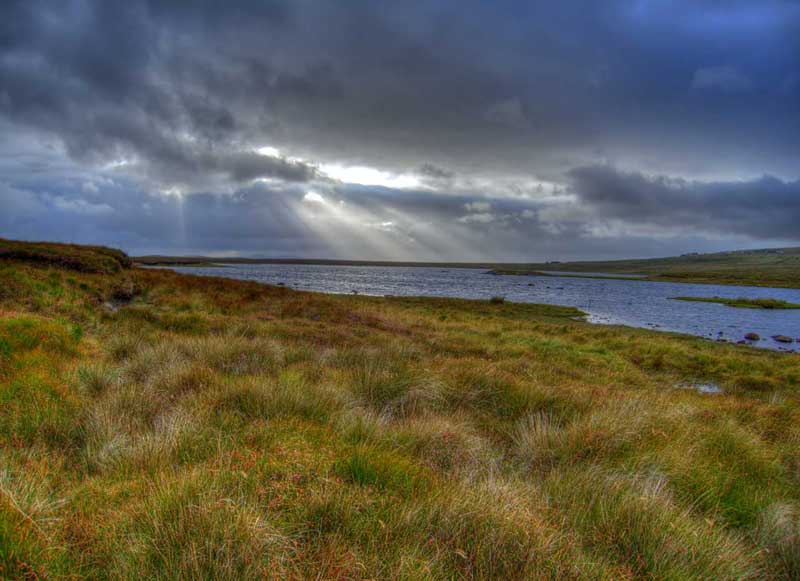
(742, 302)
(778, 267)
(157, 425)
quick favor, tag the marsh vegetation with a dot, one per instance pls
(212, 428)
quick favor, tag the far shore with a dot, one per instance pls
(773, 267)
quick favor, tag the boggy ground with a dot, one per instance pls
(154, 425)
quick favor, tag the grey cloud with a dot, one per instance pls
(247, 166)
(432, 171)
(508, 112)
(764, 208)
(352, 222)
(495, 89)
(483, 101)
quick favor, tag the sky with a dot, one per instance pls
(444, 130)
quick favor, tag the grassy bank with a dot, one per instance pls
(99, 259)
(742, 303)
(155, 425)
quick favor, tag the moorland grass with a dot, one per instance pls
(219, 429)
(69, 256)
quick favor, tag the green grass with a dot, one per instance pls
(743, 303)
(217, 429)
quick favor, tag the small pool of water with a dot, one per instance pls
(702, 387)
(632, 302)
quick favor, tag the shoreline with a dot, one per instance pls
(584, 316)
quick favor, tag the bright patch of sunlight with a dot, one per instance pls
(173, 191)
(313, 198)
(116, 163)
(368, 176)
(269, 151)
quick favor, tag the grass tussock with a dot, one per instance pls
(208, 428)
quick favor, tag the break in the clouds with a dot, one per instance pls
(429, 130)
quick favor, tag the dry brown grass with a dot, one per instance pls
(218, 429)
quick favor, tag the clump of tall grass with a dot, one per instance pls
(494, 529)
(112, 445)
(635, 519)
(188, 378)
(384, 470)
(193, 529)
(358, 425)
(729, 472)
(486, 389)
(97, 378)
(31, 497)
(610, 431)
(538, 438)
(778, 533)
(446, 444)
(28, 511)
(235, 355)
(125, 345)
(268, 398)
(443, 443)
(392, 388)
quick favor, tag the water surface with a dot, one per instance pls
(606, 301)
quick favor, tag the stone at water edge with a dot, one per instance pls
(782, 339)
(752, 337)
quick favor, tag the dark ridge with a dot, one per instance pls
(98, 259)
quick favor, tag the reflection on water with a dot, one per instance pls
(606, 301)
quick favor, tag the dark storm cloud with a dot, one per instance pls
(431, 171)
(110, 81)
(384, 81)
(492, 106)
(764, 208)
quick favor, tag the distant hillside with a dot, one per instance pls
(779, 267)
(157, 260)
